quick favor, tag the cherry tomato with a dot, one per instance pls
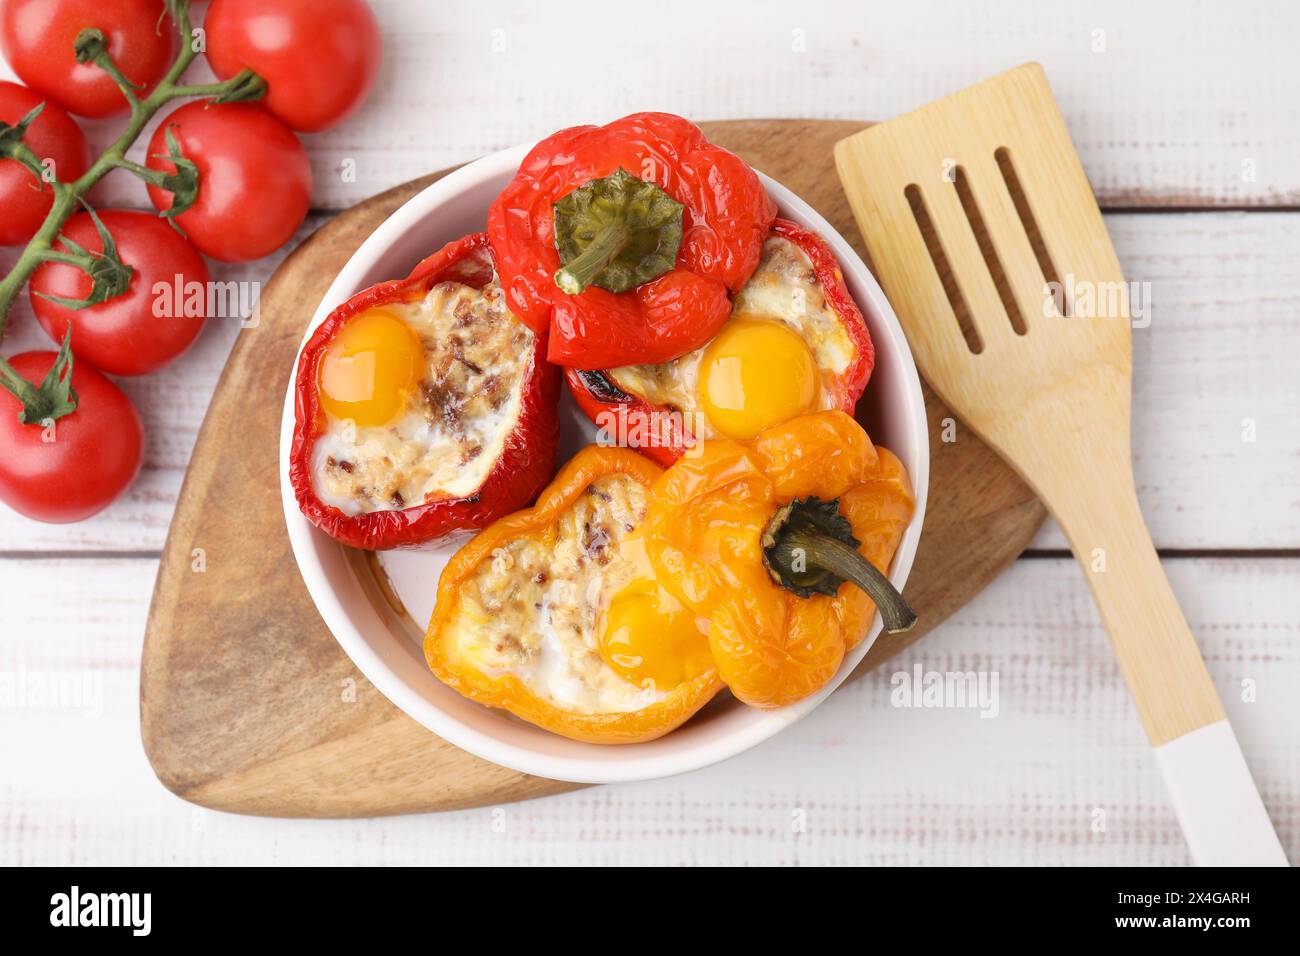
(156, 319)
(80, 463)
(254, 178)
(54, 137)
(319, 66)
(37, 37)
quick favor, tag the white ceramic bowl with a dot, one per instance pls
(373, 615)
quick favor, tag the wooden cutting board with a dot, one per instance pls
(248, 705)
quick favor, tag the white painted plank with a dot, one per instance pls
(1219, 351)
(868, 782)
(1184, 103)
(1216, 408)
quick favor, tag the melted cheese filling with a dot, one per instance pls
(535, 610)
(783, 289)
(454, 424)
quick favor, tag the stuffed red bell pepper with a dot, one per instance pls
(794, 343)
(423, 407)
(626, 242)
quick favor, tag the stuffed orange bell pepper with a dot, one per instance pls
(781, 543)
(554, 613)
(616, 607)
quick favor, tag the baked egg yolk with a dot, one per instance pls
(370, 368)
(650, 638)
(756, 373)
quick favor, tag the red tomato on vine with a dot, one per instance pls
(71, 467)
(56, 140)
(254, 178)
(37, 37)
(319, 63)
(147, 326)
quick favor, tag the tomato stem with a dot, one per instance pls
(67, 196)
(183, 184)
(82, 261)
(245, 85)
(13, 147)
(154, 177)
(50, 400)
(91, 47)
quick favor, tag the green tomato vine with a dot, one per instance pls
(109, 275)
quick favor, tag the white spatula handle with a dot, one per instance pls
(1218, 807)
(1214, 797)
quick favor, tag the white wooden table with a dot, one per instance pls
(1187, 121)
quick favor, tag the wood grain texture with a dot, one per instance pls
(1189, 103)
(960, 240)
(240, 698)
(870, 783)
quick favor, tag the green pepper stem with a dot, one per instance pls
(608, 243)
(822, 551)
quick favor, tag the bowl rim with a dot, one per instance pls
(306, 541)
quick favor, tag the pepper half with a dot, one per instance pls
(663, 432)
(625, 241)
(621, 603)
(391, 358)
(766, 539)
(516, 627)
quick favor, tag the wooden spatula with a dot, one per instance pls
(984, 232)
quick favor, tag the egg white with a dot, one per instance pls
(535, 609)
(784, 289)
(455, 424)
